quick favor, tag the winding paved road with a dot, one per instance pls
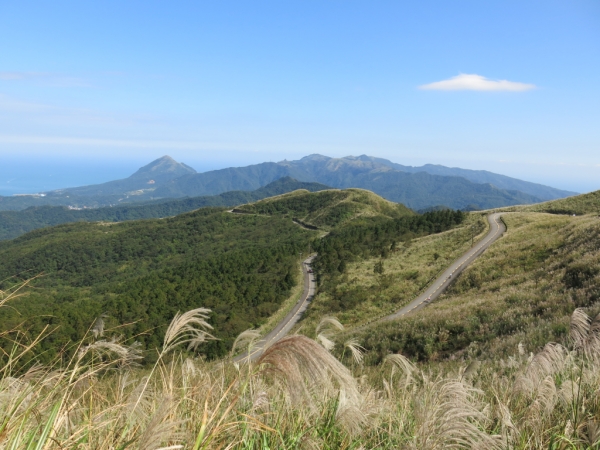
(290, 320)
(497, 228)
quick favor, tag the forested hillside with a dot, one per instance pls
(141, 273)
(16, 223)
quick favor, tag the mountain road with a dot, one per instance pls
(497, 229)
(290, 320)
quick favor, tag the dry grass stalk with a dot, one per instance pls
(326, 329)
(449, 415)
(302, 364)
(161, 428)
(188, 328)
(245, 341)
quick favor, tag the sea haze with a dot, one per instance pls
(31, 175)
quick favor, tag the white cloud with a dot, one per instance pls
(474, 82)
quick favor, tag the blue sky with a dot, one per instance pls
(507, 86)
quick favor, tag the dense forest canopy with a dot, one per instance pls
(141, 273)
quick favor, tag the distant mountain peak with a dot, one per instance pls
(164, 167)
(316, 157)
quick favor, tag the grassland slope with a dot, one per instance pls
(578, 204)
(330, 208)
(522, 289)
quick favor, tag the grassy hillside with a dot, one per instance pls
(524, 288)
(16, 223)
(328, 209)
(366, 272)
(142, 272)
(579, 204)
(477, 385)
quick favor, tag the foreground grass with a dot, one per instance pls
(299, 396)
(482, 371)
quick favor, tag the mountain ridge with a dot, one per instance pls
(16, 223)
(416, 187)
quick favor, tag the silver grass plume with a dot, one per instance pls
(471, 370)
(189, 369)
(591, 435)
(301, 363)
(357, 350)
(592, 343)
(350, 415)
(549, 361)
(188, 328)
(326, 329)
(503, 413)
(449, 415)
(98, 328)
(399, 361)
(580, 327)
(138, 404)
(15, 394)
(127, 354)
(161, 427)
(245, 341)
(545, 400)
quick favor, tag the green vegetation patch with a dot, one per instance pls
(579, 204)
(16, 223)
(370, 268)
(330, 208)
(523, 288)
(141, 273)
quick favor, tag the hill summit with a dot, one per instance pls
(162, 169)
(329, 208)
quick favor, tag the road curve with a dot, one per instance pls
(290, 320)
(497, 228)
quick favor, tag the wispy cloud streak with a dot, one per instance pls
(44, 78)
(474, 82)
(95, 142)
